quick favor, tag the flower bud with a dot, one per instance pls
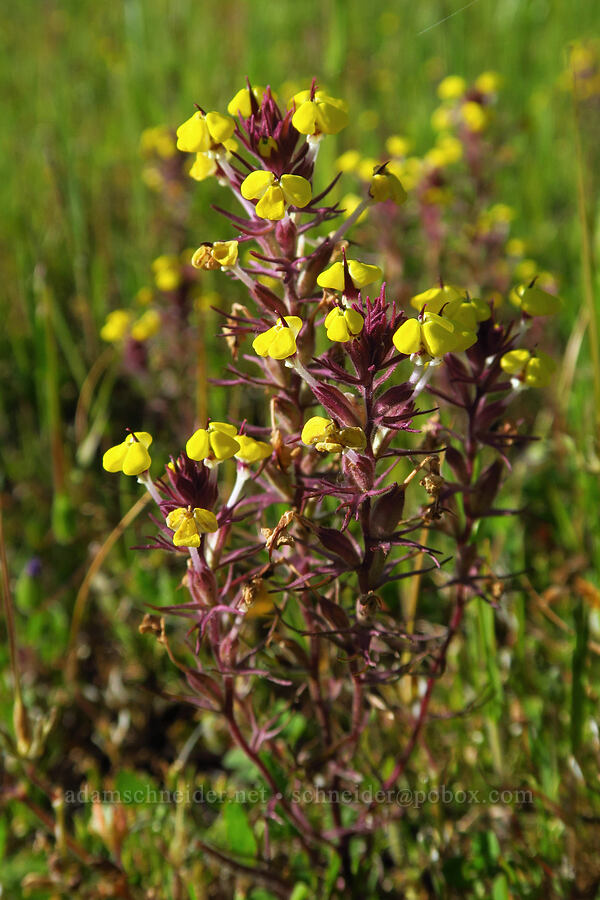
(336, 542)
(315, 265)
(286, 414)
(387, 511)
(361, 469)
(285, 235)
(336, 404)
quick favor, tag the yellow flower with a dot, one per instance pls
(279, 342)
(474, 116)
(343, 324)
(452, 87)
(349, 204)
(502, 213)
(326, 437)
(225, 253)
(348, 161)
(158, 140)
(488, 82)
(189, 524)
(396, 145)
(534, 301)
(275, 195)
(467, 312)
(321, 115)
(386, 186)
(221, 254)
(241, 104)
(534, 371)
(432, 334)
(144, 296)
(367, 167)
(360, 273)
(201, 133)
(437, 297)
(167, 274)
(441, 118)
(131, 456)
(516, 247)
(252, 451)
(146, 326)
(266, 145)
(204, 166)
(215, 443)
(116, 326)
(449, 148)
(408, 171)
(526, 270)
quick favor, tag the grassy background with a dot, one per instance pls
(80, 81)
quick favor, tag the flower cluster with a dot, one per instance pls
(319, 524)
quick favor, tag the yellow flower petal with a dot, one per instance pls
(266, 145)
(240, 103)
(539, 369)
(187, 533)
(535, 301)
(348, 161)
(515, 361)
(272, 204)
(353, 438)
(463, 338)
(225, 427)
(262, 342)
(203, 167)
(220, 127)
(331, 117)
(314, 429)
(474, 116)
(283, 344)
(137, 459)
(304, 119)
(256, 183)
(225, 252)
(451, 87)
(205, 520)
(193, 136)
(198, 446)
(354, 321)
(387, 187)
(461, 313)
(396, 145)
(343, 324)
(337, 328)
(488, 82)
(322, 115)
(142, 436)
(278, 342)
(116, 326)
(113, 459)
(407, 339)
(146, 326)
(360, 273)
(223, 445)
(252, 451)
(296, 190)
(295, 323)
(436, 297)
(176, 517)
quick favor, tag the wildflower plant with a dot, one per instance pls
(293, 572)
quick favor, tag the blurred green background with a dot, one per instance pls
(79, 229)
